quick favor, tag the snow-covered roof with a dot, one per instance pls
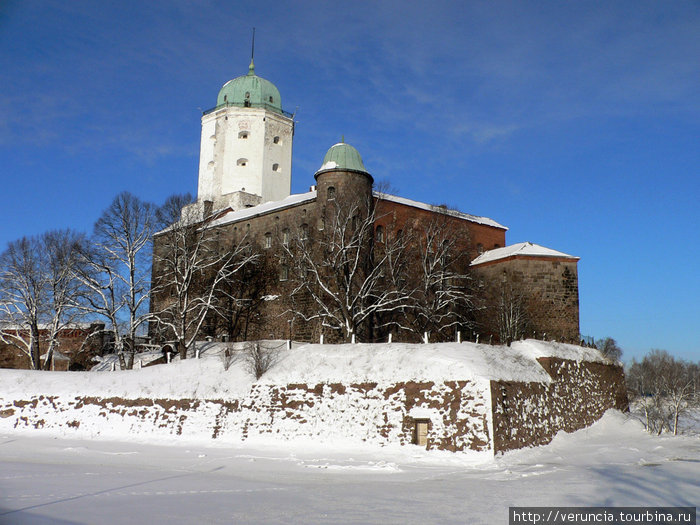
(439, 209)
(265, 208)
(520, 249)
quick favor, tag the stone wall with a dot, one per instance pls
(363, 412)
(529, 414)
(548, 287)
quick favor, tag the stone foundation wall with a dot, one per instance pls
(364, 412)
(529, 414)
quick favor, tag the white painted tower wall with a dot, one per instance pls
(231, 162)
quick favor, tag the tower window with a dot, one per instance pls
(243, 135)
(271, 100)
(225, 98)
(276, 140)
(242, 162)
(331, 193)
(275, 167)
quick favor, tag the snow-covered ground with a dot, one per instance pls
(614, 462)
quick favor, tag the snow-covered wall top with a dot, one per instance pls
(309, 364)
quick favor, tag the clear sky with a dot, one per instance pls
(576, 124)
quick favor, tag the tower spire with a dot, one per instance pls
(251, 67)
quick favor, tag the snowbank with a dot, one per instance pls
(311, 364)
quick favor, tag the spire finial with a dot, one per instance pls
(251, 67)
(342, 139)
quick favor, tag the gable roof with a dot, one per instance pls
(521, 249)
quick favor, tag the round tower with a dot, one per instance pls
(246, 146)
(343, 175)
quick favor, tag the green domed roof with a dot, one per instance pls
(342, 156)
(250, 91)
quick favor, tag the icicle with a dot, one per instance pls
(390, 337)
(321, 339)
(477, 338)
(196, 352)
(168, 356)
(352, 338)
(289, 344)
(425, 337)
(459, 336)
(113, 366)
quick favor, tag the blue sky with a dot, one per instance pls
(575, 124)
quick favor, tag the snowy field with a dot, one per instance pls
(61, 481)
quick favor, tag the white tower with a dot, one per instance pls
(246, 150)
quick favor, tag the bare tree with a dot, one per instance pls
(664, 387)
(348, 283)
(609, 348)
(260, 358)
(512, 315)
(117, 270)
(191, 267)
(439, 273)
(39, 292)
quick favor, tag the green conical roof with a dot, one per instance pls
(342, 156)
(250, 91)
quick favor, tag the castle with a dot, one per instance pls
(244, 197)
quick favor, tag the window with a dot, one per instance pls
(285, 237)
(268, 240)
(284, 273)
(242, 162)
(304, 231)
(480, 248)
(225, 98)
(275, 167)
(496, 245)
(271, 99)
(243, 135)
(276, 140)
(379, 236)
(331, 193)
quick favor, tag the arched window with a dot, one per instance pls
(243, 135)
(268, 240)
(379, 235)
(285, 236)
(242, 162)
(331, 193)
(275, 167)
(276, 140)
(304, 231)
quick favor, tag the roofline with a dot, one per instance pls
(347, 170)
(232, 220)
(531, 257)
(485, 221)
